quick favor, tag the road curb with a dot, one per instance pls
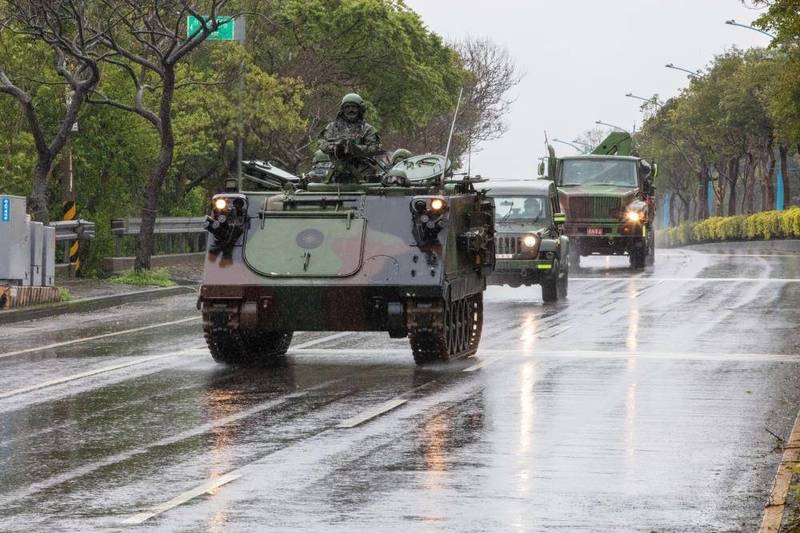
(772, 519)
(91, 304)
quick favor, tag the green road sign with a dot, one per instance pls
(225, 32)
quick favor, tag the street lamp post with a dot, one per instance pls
(691, 73)
(651, 100)
(575, 146)
(732, 22)
(601, 123)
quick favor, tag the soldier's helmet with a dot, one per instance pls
(399, 155)
(353, 98)
(320, 157)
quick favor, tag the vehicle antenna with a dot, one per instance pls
(450, 137)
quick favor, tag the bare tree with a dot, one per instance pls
(62, 25)
(493, 75)
(147, 39)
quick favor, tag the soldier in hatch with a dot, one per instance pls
(401, 154)
(321, 168)
(351, 143)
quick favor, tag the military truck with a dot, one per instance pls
(530, 247)
(409, 255)
(608, 198)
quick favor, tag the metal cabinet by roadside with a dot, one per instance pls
(15, 247)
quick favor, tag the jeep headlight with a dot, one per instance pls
(529, 241)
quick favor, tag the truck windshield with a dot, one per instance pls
(520, 209)
(599, 172)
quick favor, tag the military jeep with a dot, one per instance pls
(530, 247)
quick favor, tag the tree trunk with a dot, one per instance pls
(39, 197)
(769, 180)
(733, 177)
(672, 217)
(702, 194)
(145, 244)
(783, 151)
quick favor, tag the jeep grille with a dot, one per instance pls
(508, 244)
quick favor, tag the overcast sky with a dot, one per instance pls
(580, 58)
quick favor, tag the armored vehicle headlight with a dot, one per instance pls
(529, 241)
(633, 216)
(437, 204)
(220, 204)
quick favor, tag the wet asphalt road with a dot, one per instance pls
(644, 402)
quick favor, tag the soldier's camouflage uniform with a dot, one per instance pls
(348, 144)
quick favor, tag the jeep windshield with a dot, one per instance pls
(619, 172)
(520, 209)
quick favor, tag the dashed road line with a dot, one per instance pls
(321, 340)
(97, 337)
(481, 364)
(374, 412)
(206, 488)
(581, 354)
(701, 280)
(75, 377)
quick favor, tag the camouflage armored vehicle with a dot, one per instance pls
(530, 248)
(409, 255)
(608, 198)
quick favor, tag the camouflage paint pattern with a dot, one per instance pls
(329, 261)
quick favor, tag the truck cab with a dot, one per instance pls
(609, 199)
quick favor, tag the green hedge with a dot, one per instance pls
(759, 226)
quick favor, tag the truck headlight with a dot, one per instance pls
(529, 241)
(220, 204)
(633, 216)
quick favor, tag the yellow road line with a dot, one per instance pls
(773, 512)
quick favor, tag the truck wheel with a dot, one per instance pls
(638, 257)
(238, 348)
(651, 252)
(574, 260)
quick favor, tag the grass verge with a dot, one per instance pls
(158, 277)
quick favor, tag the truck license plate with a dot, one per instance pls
(503, 256)
(594, 231)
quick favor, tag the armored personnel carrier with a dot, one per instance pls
(530, 247)
(409, 255)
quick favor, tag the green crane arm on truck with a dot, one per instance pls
(617, 143)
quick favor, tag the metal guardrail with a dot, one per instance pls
(72, 233)
(74, 230)
(179, 234)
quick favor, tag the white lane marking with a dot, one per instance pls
(701, 280)
(321, 340)
(90, 373)
(481, 364)
(732, 255)
(557, 332)
(581, 354)
(97, 337)
(372, 413)
(206, 488)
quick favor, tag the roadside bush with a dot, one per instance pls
(765, 225)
